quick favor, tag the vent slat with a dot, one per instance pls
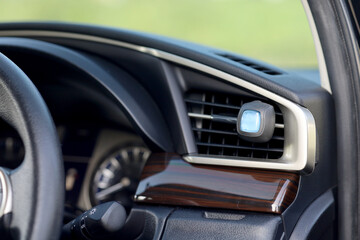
(214, 131)
(229, 133)
(220, 105)
(212, 104)
(213, 118)
(278, 138)
(240, 147)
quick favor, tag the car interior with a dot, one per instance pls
(109, 133)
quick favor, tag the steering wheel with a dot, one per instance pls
(32, 195)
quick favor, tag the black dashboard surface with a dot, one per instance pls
(105, 98)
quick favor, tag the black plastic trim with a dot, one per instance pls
(196, 224)
(126, 91)
(318, 220)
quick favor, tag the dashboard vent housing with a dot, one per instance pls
(213, 119)
(252, 65)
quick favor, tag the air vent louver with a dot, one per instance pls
(213, 119)
(252, 65)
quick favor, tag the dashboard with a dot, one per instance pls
(153, 123)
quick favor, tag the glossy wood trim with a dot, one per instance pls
(168, 179)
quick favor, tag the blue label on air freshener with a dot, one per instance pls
(250, 121)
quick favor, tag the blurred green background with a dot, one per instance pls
(275, 31)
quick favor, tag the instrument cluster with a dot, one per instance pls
(101, 164)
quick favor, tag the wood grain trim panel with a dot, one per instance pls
(168, 179)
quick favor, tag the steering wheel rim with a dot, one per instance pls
(35, 196)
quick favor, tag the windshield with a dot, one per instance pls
(275, 31)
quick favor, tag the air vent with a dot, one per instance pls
(213, 120)
(252, 65)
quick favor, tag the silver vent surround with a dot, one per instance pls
(300, 147)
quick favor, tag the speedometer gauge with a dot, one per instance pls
(117, 176)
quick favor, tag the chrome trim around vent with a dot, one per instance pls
(299, 150)
(300, 132)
